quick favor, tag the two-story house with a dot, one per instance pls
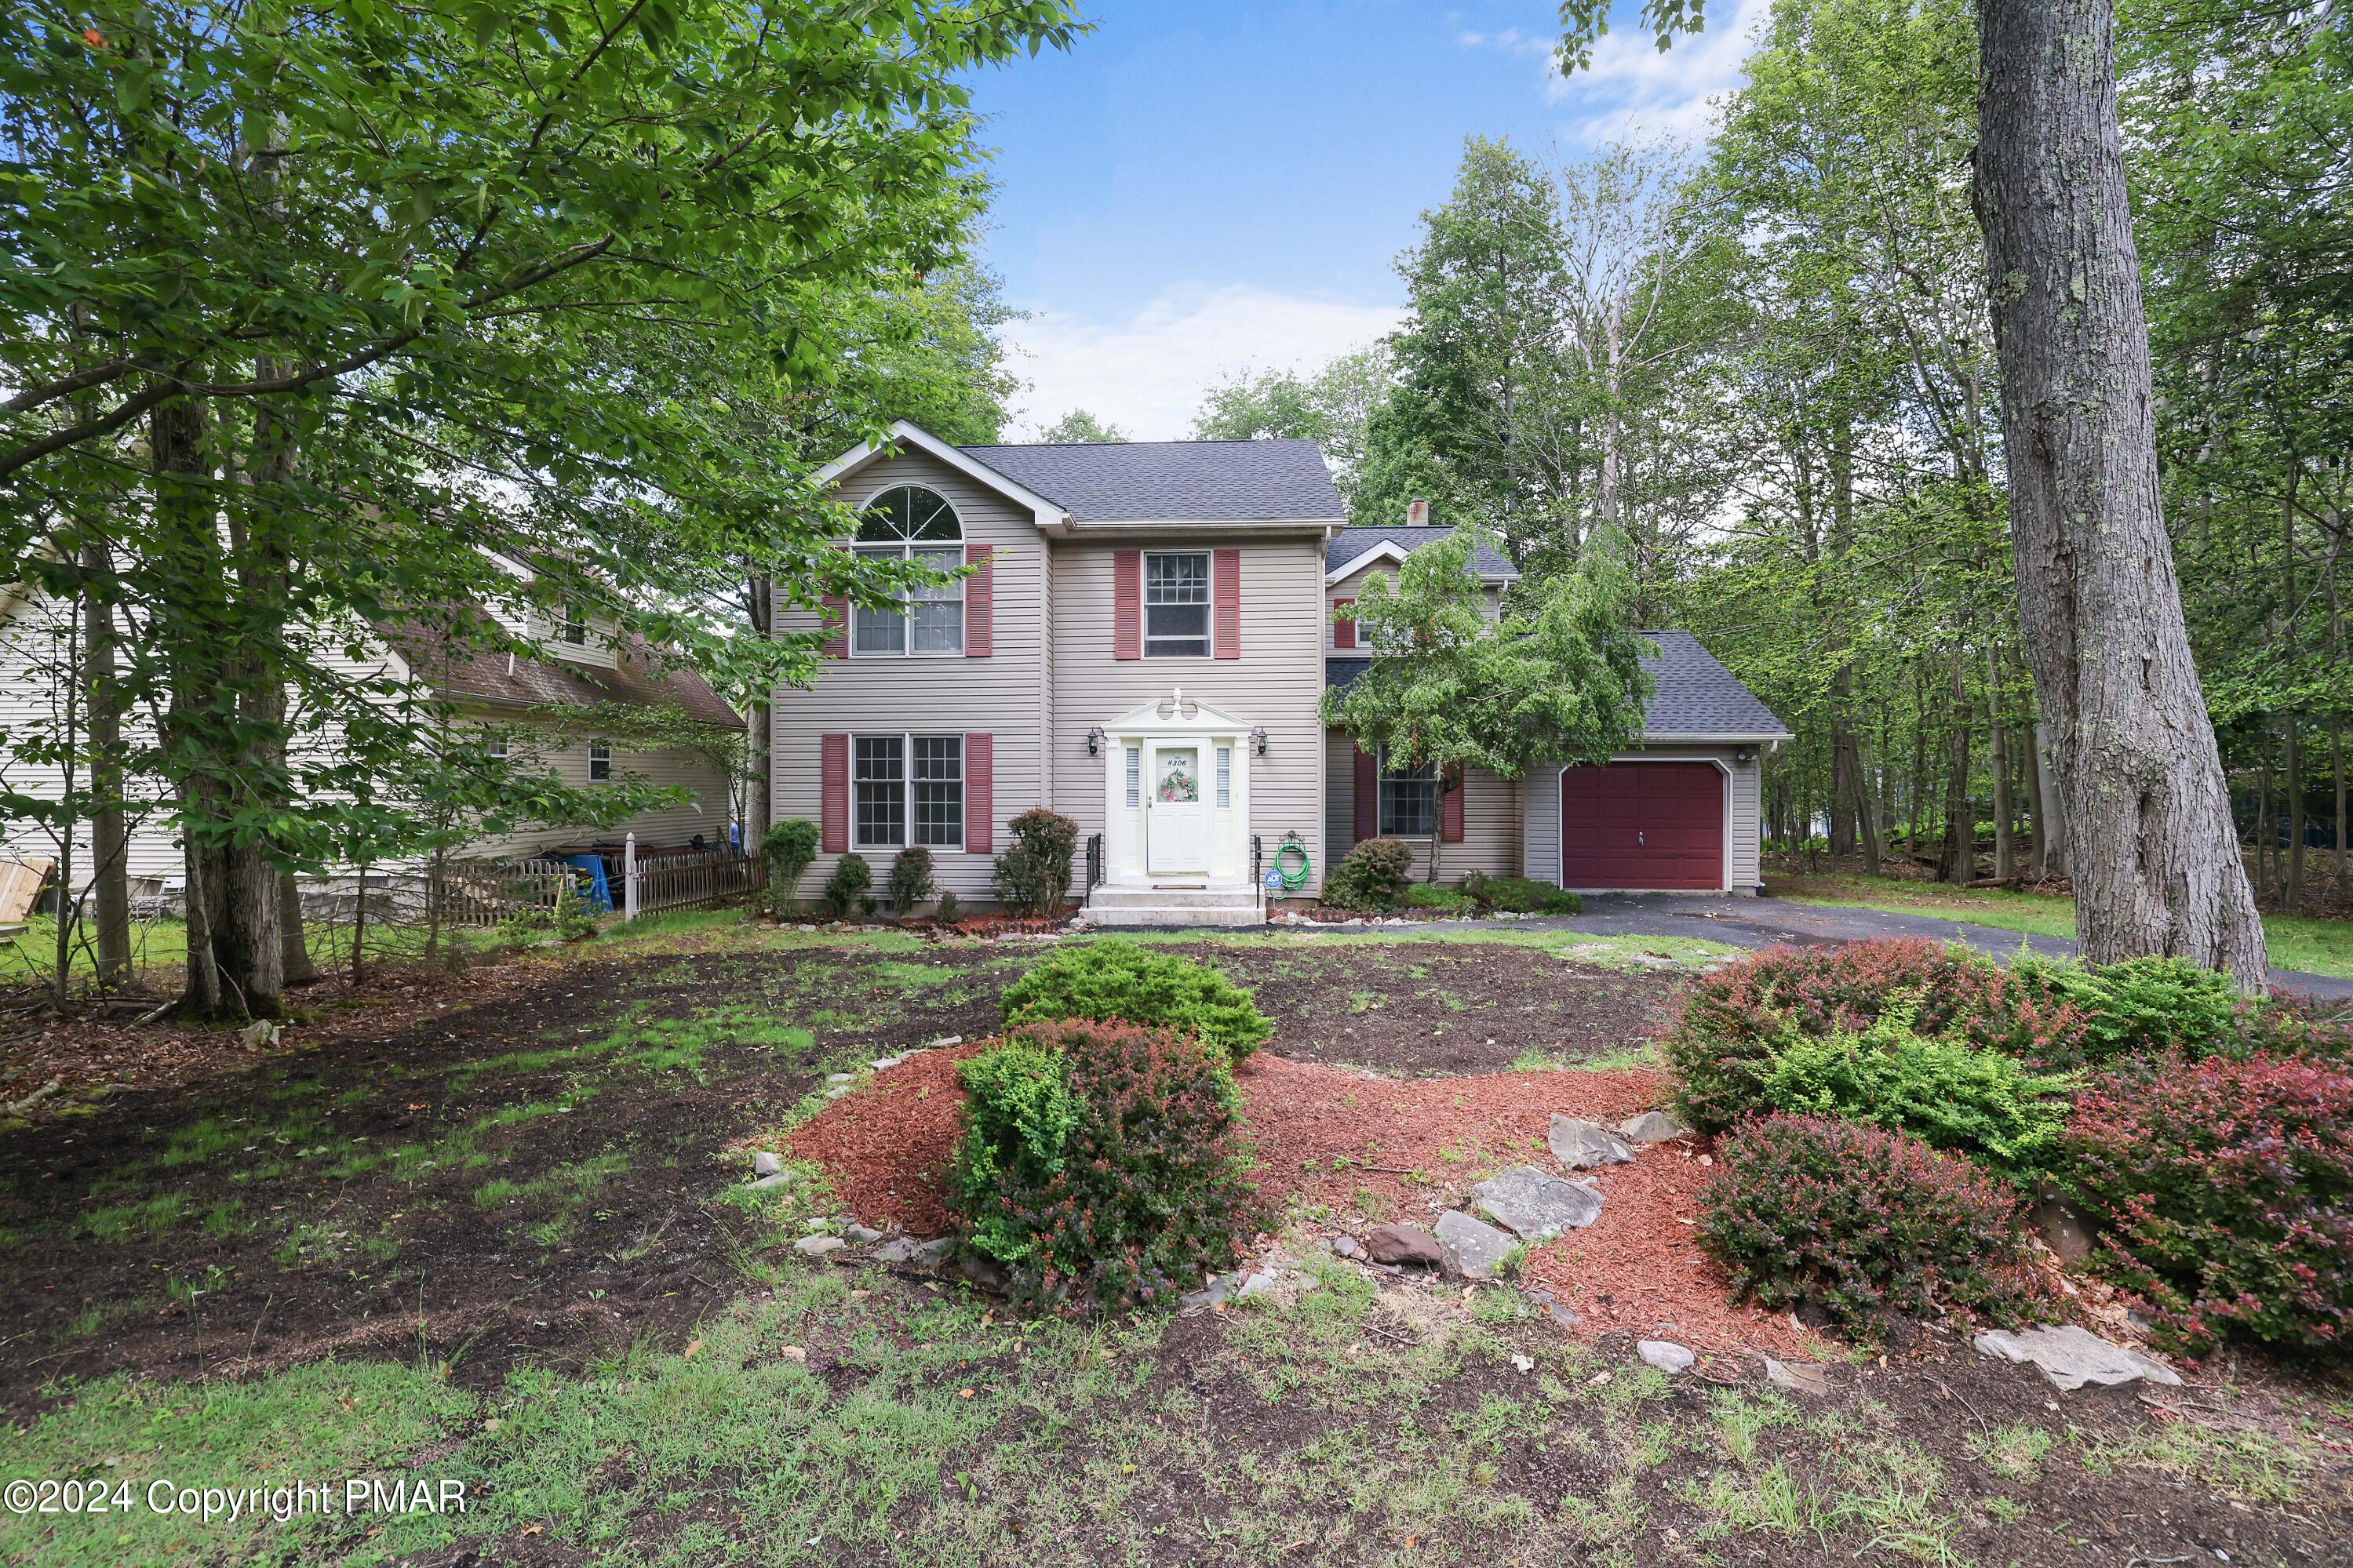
(1142, 644)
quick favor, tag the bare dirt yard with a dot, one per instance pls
(506, 1241)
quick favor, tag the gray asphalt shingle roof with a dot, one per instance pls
(1695, 695)
(1352, 542)
(1145, 481)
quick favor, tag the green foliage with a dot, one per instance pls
(1373, 876)
(845, 889)
(1861, 1223)
(1080, 429)
(1112, 978)
(1330, 407)
(1033, 876)
(1101, 1174)
(790, 849)
(2145, 1004)
(1441, 900)
(949, 908)
(1520, 895)
(911, 879)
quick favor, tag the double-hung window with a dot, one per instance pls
(1176, 604)
(600, 762)
(908, 789)
(1408, 800)
(910, 523)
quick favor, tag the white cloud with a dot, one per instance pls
(1145, 372)
(1633, 88)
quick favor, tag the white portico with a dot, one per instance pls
(1177, 817)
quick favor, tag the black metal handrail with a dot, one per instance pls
(1094, 861)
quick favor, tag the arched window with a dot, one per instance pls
(914, 524)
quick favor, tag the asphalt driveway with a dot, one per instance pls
(1761, 921)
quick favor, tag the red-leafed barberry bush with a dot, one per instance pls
(1723, 1043)
(1098, 1167)
(1861, 1222)
(2227, 1188)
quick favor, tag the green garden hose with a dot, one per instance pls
(1293, 880)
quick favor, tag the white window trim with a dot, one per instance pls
(907, 782)
(495, 747)
(905, 550)
(605, 747)
(1209, 606)
(1381, 778)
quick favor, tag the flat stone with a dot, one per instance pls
(982, 1271)
(1403, 1244)
(944, 1042)
(1536, 1205)
(2071, 1357)
(884, 1064)
(898, 1249)
(1797, 1377)
(934, 1252)
(778, 1179)
(1650, 1127)
(1256, 1285)
(767, 1165)
(839, 1076)
(1581, 1145)
(1563, 1316)
(819, 1246)
(1473, 1248)
(864, 1235)
(1665, 1354)
(1345, 1246)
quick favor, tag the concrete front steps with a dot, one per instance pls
(1175, 902)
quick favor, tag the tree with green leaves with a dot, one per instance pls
(1329, 406)
(1080, 429)
(1555, 677)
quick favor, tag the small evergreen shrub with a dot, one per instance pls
(1033, 876)
(1441, 900)
(790, 848)
(1374, 876)
(1861, 1222)
(1520, 895)
(2227, 1189)
(846, 890)
(949, 908)
(1097, 1166)
(2142, 1005)
(1113, 979)
(911, 879)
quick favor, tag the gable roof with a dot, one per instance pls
(1349, 549)
(486, 676)
(1696, 698)
(1163, 481)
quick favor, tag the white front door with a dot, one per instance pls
(1176, 810)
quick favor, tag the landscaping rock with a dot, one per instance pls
(1345, 1246)
(1536, 1205)
(981, 1270)
(839, 1076)
(1651, 1127)
(1563, 1316)
(1473, 1248)
(1797, 1377)
(1665, 1354)
(1256, 1285)
(884, 1064)
(819, 1246)
(1581, 1145)
(767, 1165)
(934, 1252)
(898, 1249)
(777, 1179)
(1403, 1244)
(2071, 1357)
(864, 1235)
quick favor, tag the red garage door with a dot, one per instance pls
(1642, 825)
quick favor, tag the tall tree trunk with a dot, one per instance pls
(1960, 820)
(2336, 767)
(2292, 818)
(2154, 854)
(187, 571)
(2005, 860)
(2052, 804)
(2038, 845)
(109, 877)
(294, 952)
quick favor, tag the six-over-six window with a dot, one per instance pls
(908, 789)
(910, 523)
(1176, 603)
(1408, 802)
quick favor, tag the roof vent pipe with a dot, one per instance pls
(1416, 514)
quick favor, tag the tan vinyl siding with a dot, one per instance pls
(1490, 820)
(1277, 684)
(664, 827)
(1540, 815)
(1003, 695)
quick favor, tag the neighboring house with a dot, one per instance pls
(1143, 644)
(539, 703)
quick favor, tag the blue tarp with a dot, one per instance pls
(600, 894)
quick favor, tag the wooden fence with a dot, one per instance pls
(678, 882)
(481, 893)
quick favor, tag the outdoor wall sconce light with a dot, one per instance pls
(1744, 755)
(1094, 742)
(1258, 742)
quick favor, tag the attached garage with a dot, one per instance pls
(1644, 824)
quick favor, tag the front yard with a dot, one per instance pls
(508, 1243)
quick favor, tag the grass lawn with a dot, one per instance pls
(161, 947)
(2294, 942)
(505, 1247)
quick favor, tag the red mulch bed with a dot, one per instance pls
(1325, 1134)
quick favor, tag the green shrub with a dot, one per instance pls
(948, 909)
(1444, 900)
(845, 889)
(2142, 1005)
(1373, 876)
(1097, 1166)
(1981, 1104)
(790, 848)
(1033, 877)
(911, 878)
(1114, 979)
(1520, 895)
(1861, 1222)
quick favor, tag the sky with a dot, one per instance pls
(1200, 187)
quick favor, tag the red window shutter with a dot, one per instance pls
(1450, 808)
(979, 600)
(1368, 795)
(837, 628)
(1344, 633)
(1127, 604)
(979, 793)
(833, 788)
(1226, 590)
